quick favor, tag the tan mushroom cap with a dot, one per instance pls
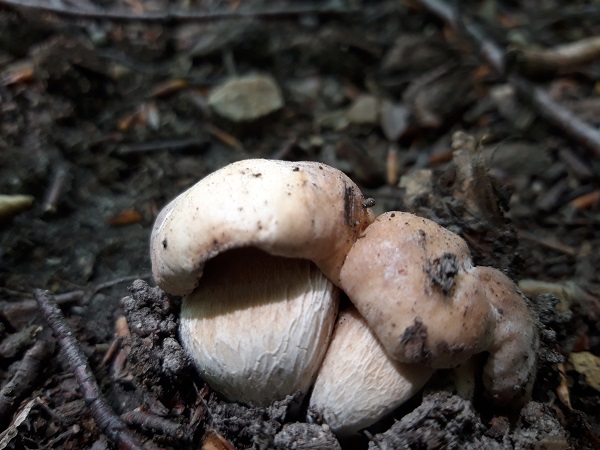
(509, 372)
(413, 282)
(358, 383)
(293, 209)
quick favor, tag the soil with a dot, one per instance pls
(104, 119)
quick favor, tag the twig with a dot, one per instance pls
(23, 380)
(154, 423)
(546, 106)
(558, 115)
(548, 61)
(575, 164)
(162, 145)
(176, 15)
(55, 190)
(547, 242)
(13, 311)
(104, 416)
(110, 283)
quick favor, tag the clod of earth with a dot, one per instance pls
(260, 250)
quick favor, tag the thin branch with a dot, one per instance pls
(165, 144)
(21, 311)
(55, 190)
(547, 61)
(175, 15)
(23, 380)
(103, 414)
(558, 115)
(552, 111)
(155, 424)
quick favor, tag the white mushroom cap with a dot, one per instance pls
(509, 372)
(256, 341)
(358, 383)
(294, 209)
(413, 282)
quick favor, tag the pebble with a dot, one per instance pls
(364, 110)
(246, 99)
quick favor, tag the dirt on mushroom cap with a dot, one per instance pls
(412, 280)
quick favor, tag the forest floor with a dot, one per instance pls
(107, 111)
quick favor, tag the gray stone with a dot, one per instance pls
(246, 99)
(364, 110)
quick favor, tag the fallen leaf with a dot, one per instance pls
(10, 433)
(11, 205)
(588, 365)
(214, 441)
(125, 217)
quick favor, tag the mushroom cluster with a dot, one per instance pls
(260, 250)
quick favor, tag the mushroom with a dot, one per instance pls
(358, 382)
(256, 248)
(414, 283)
(509, 372)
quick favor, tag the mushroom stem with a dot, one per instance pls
(358, 383)
(258, 326)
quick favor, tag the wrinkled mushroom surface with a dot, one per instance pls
(358, 382)
(255, 341)
(413, 282)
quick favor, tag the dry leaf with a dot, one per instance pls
(588, 365)
(125, 217)
(11, 205)
(214, 441)
(10, 433)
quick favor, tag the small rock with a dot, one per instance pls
(332, 92)
(304, 90)
(246, 99)
(394, 119)
(364, 110)
(332, 120)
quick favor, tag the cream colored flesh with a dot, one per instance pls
(358, 383)
(258, 326)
